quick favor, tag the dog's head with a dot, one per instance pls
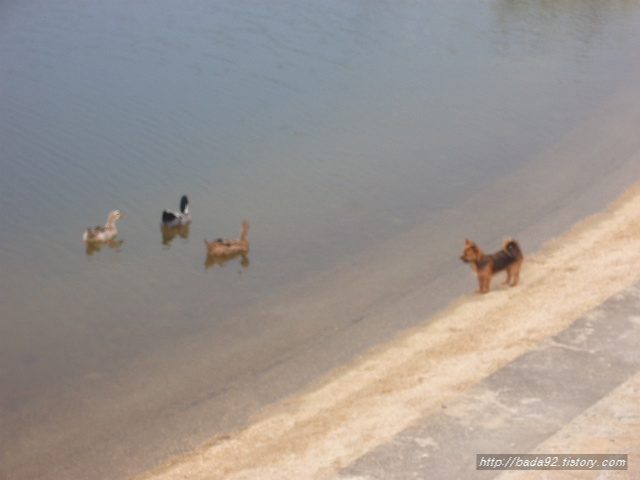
(470, 252)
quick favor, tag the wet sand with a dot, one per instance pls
(361, 405)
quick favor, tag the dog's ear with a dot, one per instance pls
(467, 242)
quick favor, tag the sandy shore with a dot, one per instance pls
(361, 405)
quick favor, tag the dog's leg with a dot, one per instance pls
(480, 288)
(484, 280)
(512, 274)
(516, 275)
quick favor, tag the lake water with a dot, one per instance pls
(331, 126)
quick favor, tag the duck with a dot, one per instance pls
(223, 247)
(103, 233)
(173, 219)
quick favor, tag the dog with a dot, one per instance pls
(510, 258)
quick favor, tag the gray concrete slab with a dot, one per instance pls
(519, 406)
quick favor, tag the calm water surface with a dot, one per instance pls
(329, 125)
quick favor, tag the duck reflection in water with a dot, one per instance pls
(169, 233)
(213, 260)
(93, 247)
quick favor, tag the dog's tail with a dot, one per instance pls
(512, 247)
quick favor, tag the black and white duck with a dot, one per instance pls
(173, 219)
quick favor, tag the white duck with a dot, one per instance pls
(103, 233)
(173, 219)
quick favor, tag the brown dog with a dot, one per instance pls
(509, 258)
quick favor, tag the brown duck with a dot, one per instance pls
(103, 233)
(223, 247)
